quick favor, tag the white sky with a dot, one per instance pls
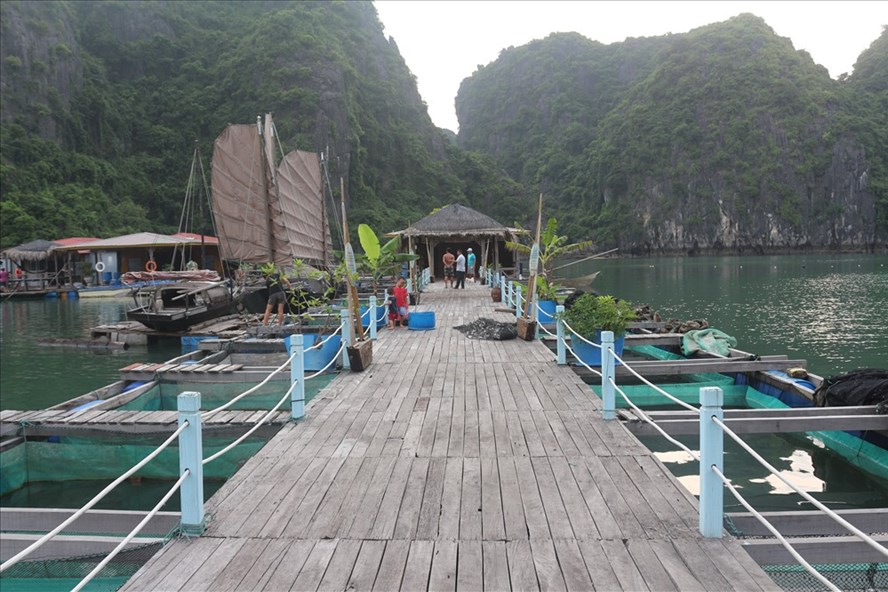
(444, 42)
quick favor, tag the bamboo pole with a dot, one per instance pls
(354, 305)
(531, 284)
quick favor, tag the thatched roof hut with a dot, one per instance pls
(459, 227)
(36, 250)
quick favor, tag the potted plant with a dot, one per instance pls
(589, 315)
(548, 300)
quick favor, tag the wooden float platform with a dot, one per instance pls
(52, 422)
(449, 464)
(133, 332)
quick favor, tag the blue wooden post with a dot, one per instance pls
(561, 351)
(607, 375)
(297, 375)
(191, 459)
(517, 300)
(373, 314)
(503, 295)
(712, 491)
(346, 337)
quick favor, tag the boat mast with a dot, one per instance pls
(265, 194)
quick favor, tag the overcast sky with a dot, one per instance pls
(444, 42)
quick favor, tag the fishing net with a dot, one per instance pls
(57, 575)
(163, 397)
(849, 577)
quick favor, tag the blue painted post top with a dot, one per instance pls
(188, 402)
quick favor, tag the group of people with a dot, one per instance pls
(458, 268)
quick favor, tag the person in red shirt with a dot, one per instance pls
(402, 299)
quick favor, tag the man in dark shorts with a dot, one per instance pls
(449, 261)
(277, 296)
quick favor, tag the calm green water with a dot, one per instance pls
(831, 310)
(34, 376)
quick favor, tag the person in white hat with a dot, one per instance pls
(470, 265)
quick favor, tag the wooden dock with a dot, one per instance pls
(453, 464)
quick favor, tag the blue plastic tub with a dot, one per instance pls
(317, 359)
(590, 354)
(546, 314)
(421, 321)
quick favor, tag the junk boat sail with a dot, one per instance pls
(263, 211)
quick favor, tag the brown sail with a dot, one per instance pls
(265, 211)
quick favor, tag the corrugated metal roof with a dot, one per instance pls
(139, 239)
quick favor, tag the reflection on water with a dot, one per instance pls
(803, 461)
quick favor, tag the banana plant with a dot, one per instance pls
(380, 260)
(552, 246)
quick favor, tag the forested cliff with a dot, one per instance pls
(725, 137)
(102, 103)
(721, 138)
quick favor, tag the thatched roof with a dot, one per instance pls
(36, 250)
(457, 220)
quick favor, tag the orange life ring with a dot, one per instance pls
(151, 265)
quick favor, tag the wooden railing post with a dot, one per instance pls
(191, 459)
(373, 314)
(503, 295)
(346, 337)
(711, 454)
(517, 300)
(297, 375)
(607, 375)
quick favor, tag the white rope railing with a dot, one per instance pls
(132, 533)
(254, 428)
(644, 416)
(250, 390)
(716, 470)
(539, 324)
(584, 364)
(672, 398)
(330, 363)
(851, 528)
(808, 567)
(42, 540)
(320, 344)
(569, 328)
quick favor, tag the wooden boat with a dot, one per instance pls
(264, 211)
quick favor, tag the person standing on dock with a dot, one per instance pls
(4, 278)
(402, 299)
(277, 295)
(448, 267)
(460, 270)
(470, 265)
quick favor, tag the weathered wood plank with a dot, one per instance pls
(443, 575)
(391, 568)
(339, 569)
(315, 565)
(419, 566)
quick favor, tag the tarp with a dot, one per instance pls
(708, 340)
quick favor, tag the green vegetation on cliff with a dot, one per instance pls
(98, 140)
(722, 137)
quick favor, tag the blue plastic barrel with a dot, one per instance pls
(106, 277)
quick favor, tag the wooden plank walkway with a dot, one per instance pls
(453, 464)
